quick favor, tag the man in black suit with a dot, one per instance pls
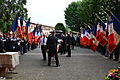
(51, 47)
(117, 52)
(68, 43)
(63, 44)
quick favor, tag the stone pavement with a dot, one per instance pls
(83, 65)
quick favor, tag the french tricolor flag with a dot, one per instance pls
(95, 42)
(98, 32)
(111, 36)
(103, 38)
(30, 33)
(24, 27)
(82, 40)
(39, 35)
(16, 27)
(19, 28)
(87, 38)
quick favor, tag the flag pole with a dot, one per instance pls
(87, 25)
(99, 18)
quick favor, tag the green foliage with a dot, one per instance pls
(72, 16)
(8, 10)
(60, 26)
(81, 12)
(67, 29)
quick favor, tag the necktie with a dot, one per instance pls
(43, 40)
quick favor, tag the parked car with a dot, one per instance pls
(58, 35)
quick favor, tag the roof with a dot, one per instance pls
(60, 31)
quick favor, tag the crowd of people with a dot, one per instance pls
(67, 42)
(104, 51)
(11, 43)
(53, 45)
(74, 40)
(50, 44)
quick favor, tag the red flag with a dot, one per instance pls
(111, 37)
(30, 33)
(24, 27)
(18, 31)
(95, 42)
(87, 38)
(82, 40)
(39, 36)
(36, 37)
(98, 32)
(100, 35)
(103, 39)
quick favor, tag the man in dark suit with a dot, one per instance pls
(63, 44)
(51, 47)
(116, 53)
(68, 43)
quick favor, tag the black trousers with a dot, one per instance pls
(43, 49)
(63, 49)
(53, 53)
(116, 52)
(69, 50)
(72, 46)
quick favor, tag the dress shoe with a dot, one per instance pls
(44, 59)
(115, 59)
(110, 58)
(49, 65)
(57, 65)
(68, 56)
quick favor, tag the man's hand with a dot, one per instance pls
(67, 44)
(47, 50)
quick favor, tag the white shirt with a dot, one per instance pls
(41, 41)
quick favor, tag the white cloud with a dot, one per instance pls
(47, 12)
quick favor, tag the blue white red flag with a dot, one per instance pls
(30, 33)
(14, 24)
(111, 36)
(116, 23)
(98, 32)
(16, 27)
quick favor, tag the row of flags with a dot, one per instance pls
(105, 34)
(27, 30)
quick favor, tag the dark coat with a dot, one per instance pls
(52, 43)
(68, 39)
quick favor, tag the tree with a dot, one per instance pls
(60, 26)
(112, 5)
(77, 14)
(67, 29)
(8, 10)
(72, 16)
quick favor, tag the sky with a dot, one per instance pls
(47, 12)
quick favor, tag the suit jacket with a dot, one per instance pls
(68, 39)
(52, 43)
